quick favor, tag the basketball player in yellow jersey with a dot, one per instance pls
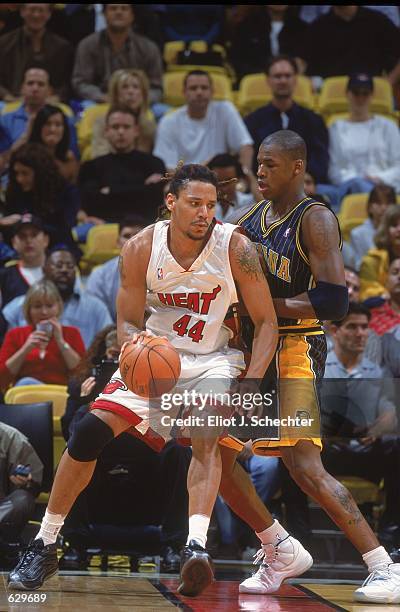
(300, 244)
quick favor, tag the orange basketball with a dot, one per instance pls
(150, 367)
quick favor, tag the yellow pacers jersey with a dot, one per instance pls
(287, 264)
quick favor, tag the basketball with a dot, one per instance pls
(150, 367)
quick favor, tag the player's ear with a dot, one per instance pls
(298, 166)
(170, 201)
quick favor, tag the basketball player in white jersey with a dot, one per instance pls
(188, 272)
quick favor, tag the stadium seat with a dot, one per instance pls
(101, 244)
(34, 420)
(57, 394)
(173, 86)
(172, 48)
(353, 212)
(12, 106)
(85, 126)
(333, 97)
(254, 92)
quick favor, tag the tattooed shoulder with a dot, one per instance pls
(246, 257)
(321, 230)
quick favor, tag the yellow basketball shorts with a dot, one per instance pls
(292, 381)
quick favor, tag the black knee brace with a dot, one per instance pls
(89, 438)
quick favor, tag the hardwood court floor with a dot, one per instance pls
(135, 593)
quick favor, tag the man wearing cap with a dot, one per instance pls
(30, 241)
(364, 148)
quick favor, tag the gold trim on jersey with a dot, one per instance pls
(249, 212)
(284, 218)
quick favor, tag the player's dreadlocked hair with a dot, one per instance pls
(182, 175)
(190, 172)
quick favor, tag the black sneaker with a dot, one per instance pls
(196, 570)
(37, 563)
(170, 561)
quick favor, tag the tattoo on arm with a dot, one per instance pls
(247, 258)
(121, 268)
(324, 232)
(347, 502)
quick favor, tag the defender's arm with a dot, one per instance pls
(329, 299)
(256, 296)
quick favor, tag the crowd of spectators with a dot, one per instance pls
(86, 139)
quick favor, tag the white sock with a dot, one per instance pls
(273, 535)
(375, 558)
(198, 527)
(50, 527)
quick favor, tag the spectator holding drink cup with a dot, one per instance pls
(44, 351)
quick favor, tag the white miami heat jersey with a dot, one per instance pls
(189, 306)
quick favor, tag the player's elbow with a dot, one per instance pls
(329, 301)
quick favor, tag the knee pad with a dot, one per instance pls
(89, 438)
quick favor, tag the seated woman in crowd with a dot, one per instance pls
(362, 236)
(375, 264)
(128, 87)
(37, 187)
(50, 128)
(43, 352)
(364, 149)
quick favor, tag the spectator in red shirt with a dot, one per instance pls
(30, 355)
(387, 316)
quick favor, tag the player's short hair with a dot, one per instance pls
(291, 143)
(282, 58)
(191, 172)
(120, 108)
(132, 221)
(198, 72)
(354, 308)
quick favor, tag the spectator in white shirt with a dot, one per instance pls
(364, 149)
(202, 128)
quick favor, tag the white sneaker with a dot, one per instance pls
(381, 586)
(283, 560)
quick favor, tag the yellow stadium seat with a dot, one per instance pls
(101, 244)
(85, 126)
(332, 118)
(333, 97)
(173, 47)
(27, 394)
(255, 92)
(173, 86)
(353, 212)
(12, 106)
(354, 206)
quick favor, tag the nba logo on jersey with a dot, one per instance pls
(160, 274)
(287, 232)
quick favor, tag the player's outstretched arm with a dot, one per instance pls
(329, 299)
(256, 296)
(131, 298)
